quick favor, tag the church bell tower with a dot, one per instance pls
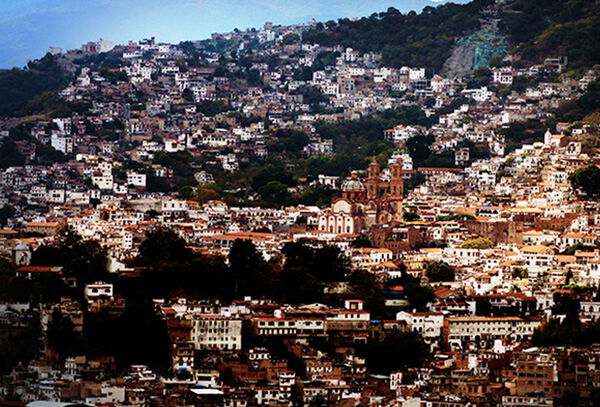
(373, 180)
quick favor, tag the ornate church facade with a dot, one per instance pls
(364, 204)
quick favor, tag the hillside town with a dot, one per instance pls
(212, 208)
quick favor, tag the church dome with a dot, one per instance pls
(353, 184)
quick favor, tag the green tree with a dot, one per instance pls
(62, 337)
(362, 241)
(410, 216)
(440, 271)
(138, 336)
(477, 243)
(290, 38)
(397, 351)
(19, 86)
(10, 155)
(418, 148)
(481, 77)
(366, 287)
(209, 192)
(244, 263)
(83, 259)
(22, 349)
(306, 269)
(6, 212)
(187, 95)
(274, 193)
(483, 307)
(519, 272)
(587, 180)
(163, 245)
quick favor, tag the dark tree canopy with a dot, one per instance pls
(587, 180)
(399, 350)
(85, 260)
(163, 245)
(440, 271)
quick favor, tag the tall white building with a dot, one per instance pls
(217, 332)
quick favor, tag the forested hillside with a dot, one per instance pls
(535, 30)
(18, 86)
(412, 39)
(539, 29)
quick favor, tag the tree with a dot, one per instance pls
(318, 401)
(186, 193)
(440, 271)
(398, 350)
(207, 193)
(83, 259)
(366, 287)
(362, 241)
(481, 77)
(163, 245)
(410, 216)
(570, 251)
(244, 263)
(6, 212)
(434, 30)
(62, 337)
(10, 155)
(274, 193)
(152, 213)
(418, 295)
(290, 38)
(292, 140)
(483, 307)
(20, 350)
(519, 272)
(306, 269)
(303, 73)
(187, 46)
(301, 220)
(565, 304)
(587, 180)
(418, 148)
(138, 336)
(19, 86)
(187, 95)
(477, 243)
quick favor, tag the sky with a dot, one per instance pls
(29, 27)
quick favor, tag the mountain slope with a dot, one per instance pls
(18, 86)
(412, 39)
(538, 29)
(534, 30)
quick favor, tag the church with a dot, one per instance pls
(364, 204)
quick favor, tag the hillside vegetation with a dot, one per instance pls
(535, 30)
(412, 39)
(18, 86)
(539, 29)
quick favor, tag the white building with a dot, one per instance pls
(503, 76)
(62, 143)
(459, 330)
(98, 290)
(427, 324)
(217, 332)
(136, 179)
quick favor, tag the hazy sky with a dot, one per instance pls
(29, 27)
